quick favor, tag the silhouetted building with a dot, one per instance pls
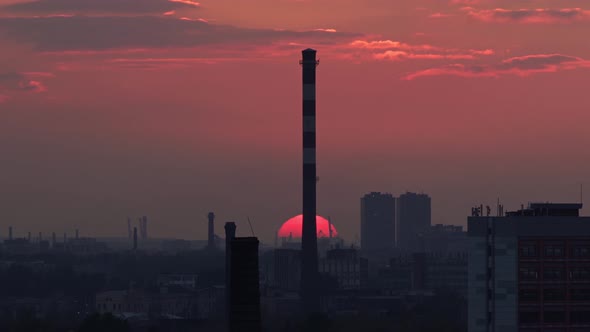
(426, 272)
(211, 231)
(413, 218)
(377, 223)
(530, 270)
(287, 269)
(444, 239)
(309, 246)
(346, 267)
(244, 296)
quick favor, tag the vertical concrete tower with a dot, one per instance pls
(309, 245)
(211, 231)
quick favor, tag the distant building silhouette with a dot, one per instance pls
(211, 230)
(413, 218)
(346, 267)
(377, 222)
(530, 270)
(230, 234)
(243, 287)
(287, 269)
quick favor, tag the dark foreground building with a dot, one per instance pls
(530, 270)
(244, 297)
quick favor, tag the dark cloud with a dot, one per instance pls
(100, 6)
(115, 32)
(521, 66)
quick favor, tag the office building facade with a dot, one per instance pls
(530, 270)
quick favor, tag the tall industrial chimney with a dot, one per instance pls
(134, 238)
(211, 231)
(309, 245)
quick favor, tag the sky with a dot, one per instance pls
(174, 108)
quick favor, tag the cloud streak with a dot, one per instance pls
(519, 66)
(530, 16)
(398, 51)
(83, 33)
(100, 6)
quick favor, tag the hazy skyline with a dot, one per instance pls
(172, 109)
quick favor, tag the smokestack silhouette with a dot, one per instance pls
(77, 234)
(211, 231)
(309, 245)
(145, 228)
(53, 239)
(230, 234)
(10, 233)
(134, 238)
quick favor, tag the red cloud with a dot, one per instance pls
(187, 2)
(397, 51)
(528, 15)
(520, 66)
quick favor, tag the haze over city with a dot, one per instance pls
(172, 109)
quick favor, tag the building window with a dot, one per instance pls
(554, 316)
(528, 295)
(580, 273)
(553, 273)
(528, 317)
(580, 316)
(554, 294)
(528, 273)
(554, 251)
(581, 251)
(528, 250)
(580, 294)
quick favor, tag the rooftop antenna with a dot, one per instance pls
(251, 229)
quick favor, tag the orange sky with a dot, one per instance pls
(110, 108)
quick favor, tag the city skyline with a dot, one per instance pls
(466, 104)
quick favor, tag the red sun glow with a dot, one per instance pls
(293, 227)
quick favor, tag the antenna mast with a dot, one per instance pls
(251, 229)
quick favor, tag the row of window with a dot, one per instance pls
(554, 317)
(550, 273)
(554, 251)
(554, 294)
